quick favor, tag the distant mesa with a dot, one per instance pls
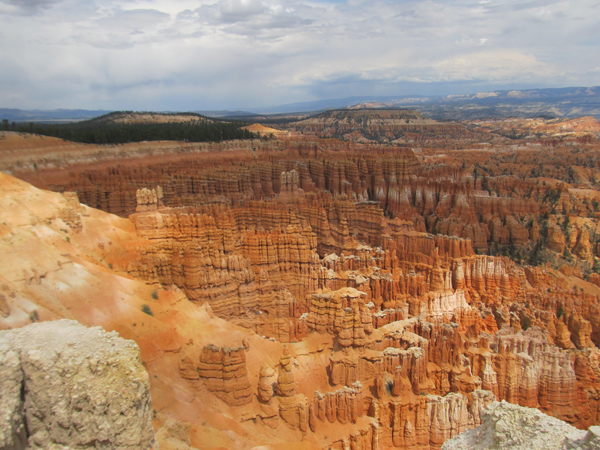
(127, 117)
(374, 124)
(372, 105)
(370, 116)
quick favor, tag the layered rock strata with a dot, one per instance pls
(224, 372)
(343, 314)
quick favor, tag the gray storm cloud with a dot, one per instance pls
(25, 7)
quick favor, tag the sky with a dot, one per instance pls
(184, 55)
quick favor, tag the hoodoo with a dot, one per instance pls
(366, 279)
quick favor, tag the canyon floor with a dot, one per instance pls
(364, 280)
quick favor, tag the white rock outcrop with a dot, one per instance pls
(512, 427)
(65, 386)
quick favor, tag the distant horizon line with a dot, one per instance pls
(264, 109)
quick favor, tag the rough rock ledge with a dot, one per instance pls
(65, 386)
(507, 426)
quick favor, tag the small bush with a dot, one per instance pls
(147, 310)
(567, 254)
(155, 294)
(560, 312)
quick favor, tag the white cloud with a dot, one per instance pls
(133, 19)
(500, 65)
(164, 54)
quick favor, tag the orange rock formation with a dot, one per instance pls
(321, 293)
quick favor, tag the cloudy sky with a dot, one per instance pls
(224, 54)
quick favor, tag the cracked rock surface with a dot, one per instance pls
(63, 385)
(508, 426)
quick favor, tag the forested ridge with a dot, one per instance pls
(101, 130)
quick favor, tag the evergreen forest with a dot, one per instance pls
(102, 130)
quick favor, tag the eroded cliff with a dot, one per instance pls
(326, 293)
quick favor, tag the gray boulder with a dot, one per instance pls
(65, 386)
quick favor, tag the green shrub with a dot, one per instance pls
(567, 254)
(147, 310)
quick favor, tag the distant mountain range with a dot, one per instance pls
(562, 102)
(55, 115)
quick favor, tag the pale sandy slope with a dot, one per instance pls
(50, 270)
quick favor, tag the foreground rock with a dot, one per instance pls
(63, 385)
(508, 426)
